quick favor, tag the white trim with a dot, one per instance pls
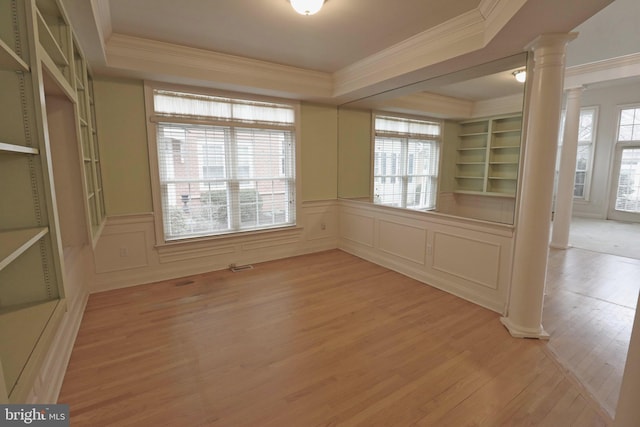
(215, 69)
(600, 71)
(460, 35)
(152, 123)
(102, 15)
(465, 33)
(498, 106)
(136, 232)
(517, 331)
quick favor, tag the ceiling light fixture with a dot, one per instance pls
(307, 7)
(520, 75)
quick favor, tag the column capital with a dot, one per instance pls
(574, 92)
(551, 41)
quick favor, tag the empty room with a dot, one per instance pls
(319, 212)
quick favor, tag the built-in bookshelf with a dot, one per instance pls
(88, 138)
(488, 154)
(38, 57)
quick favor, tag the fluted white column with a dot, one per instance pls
(628, 411)
(533, 223)
(567, 173)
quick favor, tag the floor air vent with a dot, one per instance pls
(238, 268)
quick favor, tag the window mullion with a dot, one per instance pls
(404, 155)
(233, 186)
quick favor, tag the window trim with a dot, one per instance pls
(614, 177)
(404, 178)
(589, 172)
(156, 198)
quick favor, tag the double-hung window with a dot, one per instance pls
(225, 164)
(586, 138)
(406, 158)
(584, 157)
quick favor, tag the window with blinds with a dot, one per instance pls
(225, 165)
(405, 165)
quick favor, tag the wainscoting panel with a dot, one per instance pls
(121, 251)
(127, 253)
(356, 227)
(402, 240)
(473, 260)
(468, 258)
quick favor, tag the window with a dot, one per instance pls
(586, 137)
(584, 159)
(225, 165)
(406, 157)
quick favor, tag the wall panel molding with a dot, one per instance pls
(135, 235)
(402, 240)
(473, 260)
(468, 258)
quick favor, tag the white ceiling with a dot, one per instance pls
(350, 49)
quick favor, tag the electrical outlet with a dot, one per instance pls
(323, 226)
(124, 252)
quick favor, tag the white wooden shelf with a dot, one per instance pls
(472, 149)
(49, 43)
(469, 177)
(506, 131)
(15, 242)
(504, 147)
(462, 135)
(485, 193)
(19, 342)
(9, 60)
(12, 148)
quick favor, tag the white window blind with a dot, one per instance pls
(406, 157)
(225, 165)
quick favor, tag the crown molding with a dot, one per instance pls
(466, 33)
(153, 58)
(498, 106)
(453, 38)
(430, 104)
(497, 14)
(600, 71)
(102, 15)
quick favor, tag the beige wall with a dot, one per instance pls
(319, 152)
(354, 153)
(123, 146)
(122, 135)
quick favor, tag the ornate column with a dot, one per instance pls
(533, 222)
(567, 173)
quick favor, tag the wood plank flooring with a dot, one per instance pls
(319, 340)
(589, 308)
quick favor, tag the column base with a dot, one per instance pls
(559, 246)
(520, 332)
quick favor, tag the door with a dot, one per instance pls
(625, 192)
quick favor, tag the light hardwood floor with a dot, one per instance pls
(318, 340)
(589, 308)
